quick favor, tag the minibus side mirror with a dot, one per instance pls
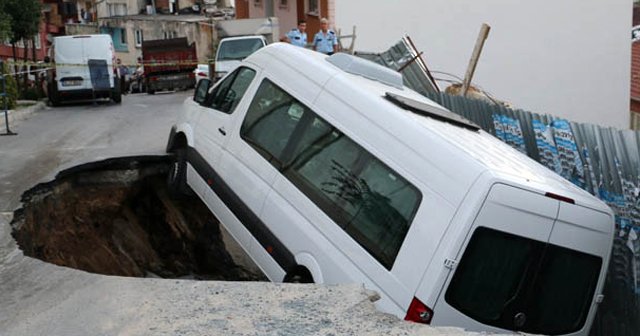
(200, 94)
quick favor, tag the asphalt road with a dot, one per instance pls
(37, 298)
(57, 138)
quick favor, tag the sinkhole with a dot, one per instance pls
(116, 217)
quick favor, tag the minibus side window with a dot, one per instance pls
(367, 199)
(272, 117)
(501, 276)
(227, 95)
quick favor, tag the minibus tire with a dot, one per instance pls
(177, 175)
(299, 275)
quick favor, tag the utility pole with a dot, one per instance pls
(5, 96)
(475, 56)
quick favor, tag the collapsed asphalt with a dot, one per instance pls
(116, 217)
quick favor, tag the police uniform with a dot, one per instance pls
(324, 42)
(297, 38)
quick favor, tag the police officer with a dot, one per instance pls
(325, 40)
(298, 36)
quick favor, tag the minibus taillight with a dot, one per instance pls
(419, 312)
(560, 198)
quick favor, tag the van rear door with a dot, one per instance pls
(504, 240)
(579, 245)
(97, 48)
(511, 277)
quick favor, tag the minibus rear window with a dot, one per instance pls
(516, 283)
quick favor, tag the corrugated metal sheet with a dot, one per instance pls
(603, 161)
(415, 74)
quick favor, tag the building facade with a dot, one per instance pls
(289, 12)
(54, 15)
(129, 22)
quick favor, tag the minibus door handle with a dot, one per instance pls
(222, 131)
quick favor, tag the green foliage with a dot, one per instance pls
(5, 22)
(12, 90)
(25, 18)
(5, 26)
(30, 94)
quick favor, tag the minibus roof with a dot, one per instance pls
(467, 148)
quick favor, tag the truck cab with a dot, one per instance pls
(232, 50)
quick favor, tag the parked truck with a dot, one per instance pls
(169, 64)
(239, 39)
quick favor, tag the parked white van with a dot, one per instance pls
(332, 172)
(83, 69)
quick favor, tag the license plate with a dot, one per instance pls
(72, 83)
(175, 77)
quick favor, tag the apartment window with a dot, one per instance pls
(117, 9)
(123, 36)
(169, 34)
(68, 8)
(367, 199)
(138, 37)
(283, 3)
(257, 3)
(313, 7)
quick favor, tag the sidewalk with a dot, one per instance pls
(23, 111)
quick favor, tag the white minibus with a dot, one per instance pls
(332, 171)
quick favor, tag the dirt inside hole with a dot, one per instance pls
(116, 217)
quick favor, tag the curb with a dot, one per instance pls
(19, 114)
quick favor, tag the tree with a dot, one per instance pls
(25, 22)
(10, 87)
(5, 22)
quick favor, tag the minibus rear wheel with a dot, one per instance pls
(298, 275)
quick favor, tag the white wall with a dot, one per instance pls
(287, 16)
(568, 58)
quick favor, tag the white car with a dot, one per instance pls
(201, 72)
(332, 171)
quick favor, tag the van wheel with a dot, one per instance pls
(54, 97)
(116, 94)
(177, 176)
(299, 275)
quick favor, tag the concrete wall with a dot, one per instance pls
(569, 58)
(81, 29)
(256, 10)
(133, 6)
(287, 16)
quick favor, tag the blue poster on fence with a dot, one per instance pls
(509, 131)
(568, 155)
(546, 146)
